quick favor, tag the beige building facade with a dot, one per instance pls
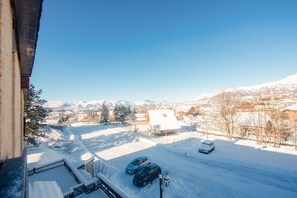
(19, 25)
(11, 96)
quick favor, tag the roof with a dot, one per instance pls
(292, 108)
(27, 15)
(163, 119)
(183, 108)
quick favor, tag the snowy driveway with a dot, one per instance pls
(193, 174)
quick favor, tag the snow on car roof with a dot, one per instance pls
(207, 141)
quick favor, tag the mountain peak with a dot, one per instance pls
(292, 79)
(286, 85)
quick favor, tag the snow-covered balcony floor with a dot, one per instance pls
(60, 174)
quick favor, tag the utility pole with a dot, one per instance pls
(163, 179)
(161, 185)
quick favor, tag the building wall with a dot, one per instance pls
(10, 91)
(18, 109)
(292, 115)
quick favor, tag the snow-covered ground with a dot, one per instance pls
(234, 169)
(55, 148)
(65, 182)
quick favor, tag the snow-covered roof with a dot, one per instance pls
(163, 119)
(183, 108)
(44, 189)
(293, 107)
(252, 119)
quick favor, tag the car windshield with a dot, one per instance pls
(144, 172)
(135, 162)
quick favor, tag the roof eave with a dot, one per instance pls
(27, 21)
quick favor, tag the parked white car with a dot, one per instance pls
(206, 146)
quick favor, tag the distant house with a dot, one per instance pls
(245, 108)
(193, 111)
(181, 111)
(184, 110)
(163, 122)
(291, 111)
(251, 122)
(140, 118)
(164, 106)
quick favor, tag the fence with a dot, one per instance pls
(84, 186)
(89, 166)
(109, 188)
(101, 182)
(75, 191)
(249, 137)
(174, 141)
(46, 167)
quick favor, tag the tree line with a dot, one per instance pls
(121, 113)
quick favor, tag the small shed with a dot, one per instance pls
(163, 122)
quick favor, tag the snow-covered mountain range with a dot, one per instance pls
(81, 106)
(284, 86)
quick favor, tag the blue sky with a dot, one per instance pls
(173, 50)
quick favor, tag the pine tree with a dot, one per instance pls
(131, 117)
(104, 119)
(34, 115)
(121, 112)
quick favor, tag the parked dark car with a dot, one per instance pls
(139, 162)
(146, 174)
(206, 146)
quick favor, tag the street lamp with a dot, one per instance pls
(163, 180)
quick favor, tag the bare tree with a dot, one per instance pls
(280, 121)
(260, 119)
(227, 102)
(295, 133)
